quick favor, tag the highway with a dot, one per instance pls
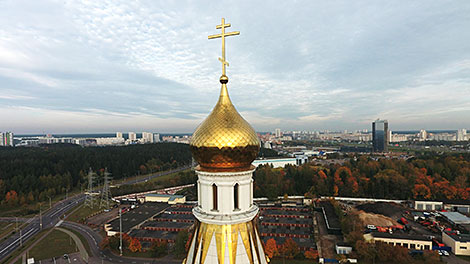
(58, 211)
(49, 219)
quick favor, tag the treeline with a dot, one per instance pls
(32, 174)
(426, 177)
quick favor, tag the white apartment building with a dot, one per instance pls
(147, 137)
(132, 136)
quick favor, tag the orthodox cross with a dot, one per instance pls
(222, 35)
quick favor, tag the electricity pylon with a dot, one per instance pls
(90, 198)
(106, 193)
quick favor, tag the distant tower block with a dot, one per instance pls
(106, 193)
(90, 198)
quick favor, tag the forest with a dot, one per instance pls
(35, 174)
(428, 177)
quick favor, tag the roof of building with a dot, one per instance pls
(456, 217)
(456, 202)
(398, 235)
(460, 237)
(171, 196)
(137, 216)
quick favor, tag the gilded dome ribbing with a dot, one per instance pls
(224, 141)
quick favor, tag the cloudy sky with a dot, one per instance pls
(104, 66)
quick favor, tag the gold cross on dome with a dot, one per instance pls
(222, 35)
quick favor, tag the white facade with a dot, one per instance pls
(147, 137)
(422, 135)
(156, 138)
(276, 163)
(225, 183)
(461, 135)
(225, 211)
(278, 132)
(109, 141)
(119, 134)
(132, 136)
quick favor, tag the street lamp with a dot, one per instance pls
(50, 201)
(120, 231)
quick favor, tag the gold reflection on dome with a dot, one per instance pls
(224, 140)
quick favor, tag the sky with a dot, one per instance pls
(105, 66)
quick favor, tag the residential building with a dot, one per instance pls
(6, 139)
(380, 135)
(156, 138)
(147, 137)
(278, 132)
(461, 135)
(422, 135)
(132, 136)
(118, 134)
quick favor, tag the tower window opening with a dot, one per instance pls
(214, 197)
(235, 197)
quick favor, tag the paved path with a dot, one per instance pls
(78, 242)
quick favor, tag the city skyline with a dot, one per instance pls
(100, 67)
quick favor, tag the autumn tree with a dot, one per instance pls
(290, 249)
(311, 254)
(271, 248)
(135, 245)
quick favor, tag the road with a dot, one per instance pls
(52, 217)
(49, 219)
(155, 175)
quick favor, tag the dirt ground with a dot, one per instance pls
(326, 241)
(376, 219)
(392, 210)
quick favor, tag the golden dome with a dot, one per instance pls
(224, 141)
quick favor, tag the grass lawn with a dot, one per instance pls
(6, 228)
(56, 244)
(25, 245)
(82, 212)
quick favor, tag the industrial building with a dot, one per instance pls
(163, 198)
(460, 243)
(401, 239)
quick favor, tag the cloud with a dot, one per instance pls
(296, 65)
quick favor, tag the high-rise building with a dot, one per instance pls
(278, 132)
(422, 135)
(224, 146)
(6, 139)
(147, 137)
(156, 138)
(119, 134)
(461, 135)
(380, 135)
(132, 136)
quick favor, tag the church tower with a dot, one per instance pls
(224, 146)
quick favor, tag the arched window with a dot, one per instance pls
(235, 197)
(214, 197)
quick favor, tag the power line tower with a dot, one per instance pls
(90, 198)
(106, 193)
